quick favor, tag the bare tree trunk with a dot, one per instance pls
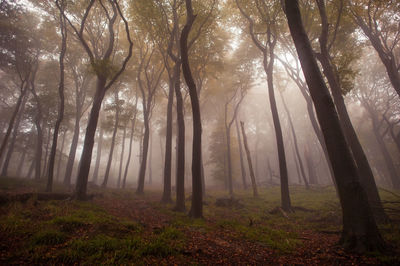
(180, 144)
(145, 149)
(359, 228)
(45, 167)
(110, 155)
(121, 160)
(197, 194)
(72, 151)
(252, 177)
(242, 168)
(12, 119)
(166, 197)
(364, 170)
(312, 177)
(86, 157)
(13, 139)
(150, 159)
(60, 117)
(303, 174)
(130, 144)
(61, 154)
(98, 155)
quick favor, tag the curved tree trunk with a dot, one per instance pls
(269, 67)
(145, 149)
(13, 139)
(296, 148)
(86, 157)
(197, 194)
(364, 170)
(359, 228)
(130, 145)
(110, 155)
(72, 151)
(252, 177)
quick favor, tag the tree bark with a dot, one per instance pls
(130, 144)
(166, 197)
(110, 155)
(72, 151)
(252, 177)
(86, 157)
(197, 194)
(296, 148)
(364, 170)
(359, 228)
(242, 167)
(11, 146)
(98, 155)
(121, 158)
(12, 119)
(61, 154)
(46, 158)
(60, 116)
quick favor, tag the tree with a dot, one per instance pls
(338, 83)
(379, 21)
(252, 176)
(269, 14)
(20, 52)
(359, 228)
(60, 117)
(149, 75)
(106, 75)
(196, 210)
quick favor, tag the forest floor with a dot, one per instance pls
(119, 227)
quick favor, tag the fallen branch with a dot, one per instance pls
(279, 210)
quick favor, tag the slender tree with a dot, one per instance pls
(60, 117)
(359, 228)
(105, 79)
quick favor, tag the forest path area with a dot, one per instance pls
(214, 241)
(119, 227)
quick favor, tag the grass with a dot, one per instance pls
(74, 232)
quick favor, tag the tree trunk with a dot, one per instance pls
(242, 168)
(98, 155)
(145, 149)
(269, 68)
(180, 145)
(150, 159)
(303, 174)
(130, 145)
(364, 170)
(166, 197)
(86, 157)
(13, 139)
(252, 177)
(12, 120)
(61, 154)
(61, 104)
(394, 177)
(46, 158)
(312, 177)
(359, 228)
(197, 194)
(39, 141)
(229, 160)
(121, 158)
(110, 155)
(72, 150)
